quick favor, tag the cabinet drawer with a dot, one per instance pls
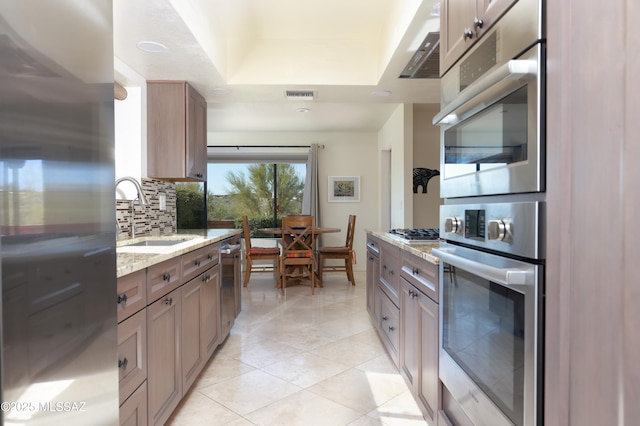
(421, 274)
(390, 271)
(388, 324)
(132, 353)
(198, 261)
(132, 294)
(163, 278)
(134, 410)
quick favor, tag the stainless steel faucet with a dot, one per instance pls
(141, 197)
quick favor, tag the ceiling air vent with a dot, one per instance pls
(299, 95)
(425, 63)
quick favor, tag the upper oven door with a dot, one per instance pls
(492, 132)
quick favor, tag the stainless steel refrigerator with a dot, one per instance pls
(57, 215)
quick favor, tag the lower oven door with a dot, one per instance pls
(489, 335)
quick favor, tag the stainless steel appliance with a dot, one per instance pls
(417, 235)
(492, 117)
(229, 297)
(492, 261)
(491, 316)
(57, 215)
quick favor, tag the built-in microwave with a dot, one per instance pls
(492, 117)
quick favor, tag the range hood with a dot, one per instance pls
(425, 63)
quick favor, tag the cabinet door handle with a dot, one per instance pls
(384, 267)
(415, 271)
(370, 257)
(467, 34)
(168, 301)
(210, 256)
(197, 263)
(122, 363)
(385, 318)
(391, 272)
(166, 277)
(478, 23)
(391, 328)
(122, 299)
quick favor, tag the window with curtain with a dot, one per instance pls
(263, 183)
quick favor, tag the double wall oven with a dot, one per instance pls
(492, 222)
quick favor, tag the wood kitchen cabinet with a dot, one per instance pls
(373, 272)
(164, 367)
(211, 311)
(176, 132)
(383, 290)
(419, 331)
(390, 271)
(463, 22)
(132, 354)
(200, 323)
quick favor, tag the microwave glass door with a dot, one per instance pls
(493, 138)
(483, 331)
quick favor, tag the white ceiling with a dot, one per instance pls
(257, 49)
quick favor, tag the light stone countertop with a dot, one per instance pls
(134, 258)
(421, 249)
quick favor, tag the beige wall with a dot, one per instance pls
(344, 154)
(397, 135)
(426, 153)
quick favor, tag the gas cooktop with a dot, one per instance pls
(416, 234)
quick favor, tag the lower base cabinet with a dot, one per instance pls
(419, 348)
(388, 322)
(164, 370)
(133, 412)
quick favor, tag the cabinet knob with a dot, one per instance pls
(122, 363)
(478, 23)
(166, 277)
(415, 271)
(467, 34)
(391, 328)
(385, 318)
(122, 298)
(168, 301)
(209, 256)
(197, 263)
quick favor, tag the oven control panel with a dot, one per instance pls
(505, 227)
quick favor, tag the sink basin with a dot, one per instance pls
(155, 243)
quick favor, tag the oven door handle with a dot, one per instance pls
(513, 73)
(505, 276)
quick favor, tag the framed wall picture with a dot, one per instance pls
(344, 189)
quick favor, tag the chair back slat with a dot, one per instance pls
(351, 229)
(297, 235)
(247, 232)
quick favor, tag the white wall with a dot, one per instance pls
(426, 153)
(397, 135)
(344, 154)
(130, 133)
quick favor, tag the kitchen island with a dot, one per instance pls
(169, 309)
(402, 301)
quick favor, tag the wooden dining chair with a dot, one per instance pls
(345, 253)
(298, 242)
(259, 253)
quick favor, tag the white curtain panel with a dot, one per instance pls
(310, 199)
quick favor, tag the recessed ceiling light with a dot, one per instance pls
(303, 110)
(381, 93)
(151, 46)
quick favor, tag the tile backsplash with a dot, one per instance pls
(149, 220)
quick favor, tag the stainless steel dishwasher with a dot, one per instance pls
(230, 264)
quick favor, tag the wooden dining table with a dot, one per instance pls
(315, 230)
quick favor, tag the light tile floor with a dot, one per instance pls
(300, 360)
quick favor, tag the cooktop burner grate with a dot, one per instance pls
(417, 234)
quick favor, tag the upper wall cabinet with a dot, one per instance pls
(176, 132)
(463, 22)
